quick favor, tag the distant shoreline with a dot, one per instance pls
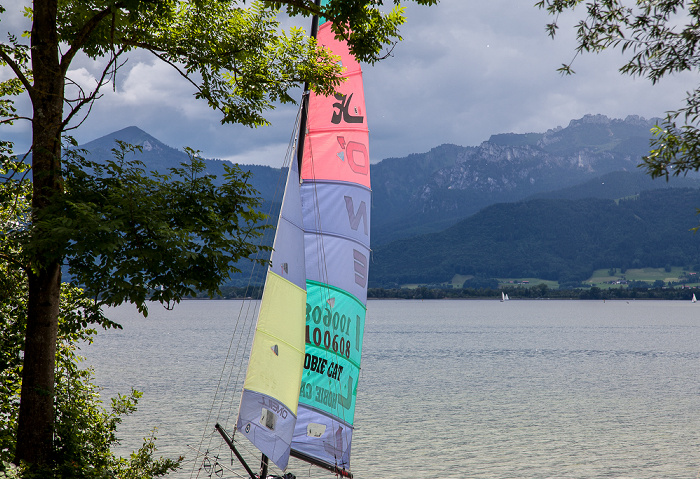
(536, 292)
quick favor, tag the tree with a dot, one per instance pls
(662, 37)
(84, 431)
(240, 62)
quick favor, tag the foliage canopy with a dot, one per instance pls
(84, 429)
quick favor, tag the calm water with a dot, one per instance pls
(455, 389)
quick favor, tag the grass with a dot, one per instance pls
(459, 279)
(530, 282)
(600, 278)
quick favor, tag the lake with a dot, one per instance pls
(450, 389)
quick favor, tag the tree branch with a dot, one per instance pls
(12, 260)
(90, 98)
(13, 119)
(18, 72)
(309, 6)
(182, 73)
(77, 43)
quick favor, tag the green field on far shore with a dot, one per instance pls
(601, 278)
(676, 274)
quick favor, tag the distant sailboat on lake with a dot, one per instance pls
(694, 300)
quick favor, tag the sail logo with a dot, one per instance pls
(343, 113)
(332, 399)
(318, 365)
(272, 406)
(360, 263)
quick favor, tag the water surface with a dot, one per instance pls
(478, 389)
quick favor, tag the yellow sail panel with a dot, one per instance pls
(277, 356)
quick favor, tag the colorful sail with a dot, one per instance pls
(300, 388)
(335, 193)
(268, 410)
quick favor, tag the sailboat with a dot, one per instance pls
(298, 398)
(694, 300)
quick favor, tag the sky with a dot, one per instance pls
(466, 69)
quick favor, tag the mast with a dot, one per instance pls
(305, 100)
(264, 460)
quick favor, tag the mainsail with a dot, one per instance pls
(300, 388)
(336, 197)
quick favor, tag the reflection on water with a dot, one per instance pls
(479, 389)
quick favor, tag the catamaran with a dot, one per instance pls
(298, 397)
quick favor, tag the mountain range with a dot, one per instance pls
(427, 192)
(549, 205)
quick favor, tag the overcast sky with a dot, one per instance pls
(466, 69)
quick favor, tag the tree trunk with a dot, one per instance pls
(36, 412)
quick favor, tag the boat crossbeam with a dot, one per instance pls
(235, 451)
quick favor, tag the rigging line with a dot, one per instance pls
(320, 247)
(239, 352)
(322, 264)
(217, 461)
(241, 349)
(326, 291)
(218, 386)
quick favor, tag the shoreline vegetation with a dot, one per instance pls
(538, 291)
(670, 283)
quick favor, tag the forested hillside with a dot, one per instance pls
(543, 204)
(562, 240)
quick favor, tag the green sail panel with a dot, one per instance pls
(335, 322)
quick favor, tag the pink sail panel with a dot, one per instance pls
(336, 145)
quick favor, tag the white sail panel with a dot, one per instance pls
(323, 437)
(339, 262)
(338, 208)
(287, 257)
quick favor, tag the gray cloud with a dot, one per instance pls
(464, 71)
